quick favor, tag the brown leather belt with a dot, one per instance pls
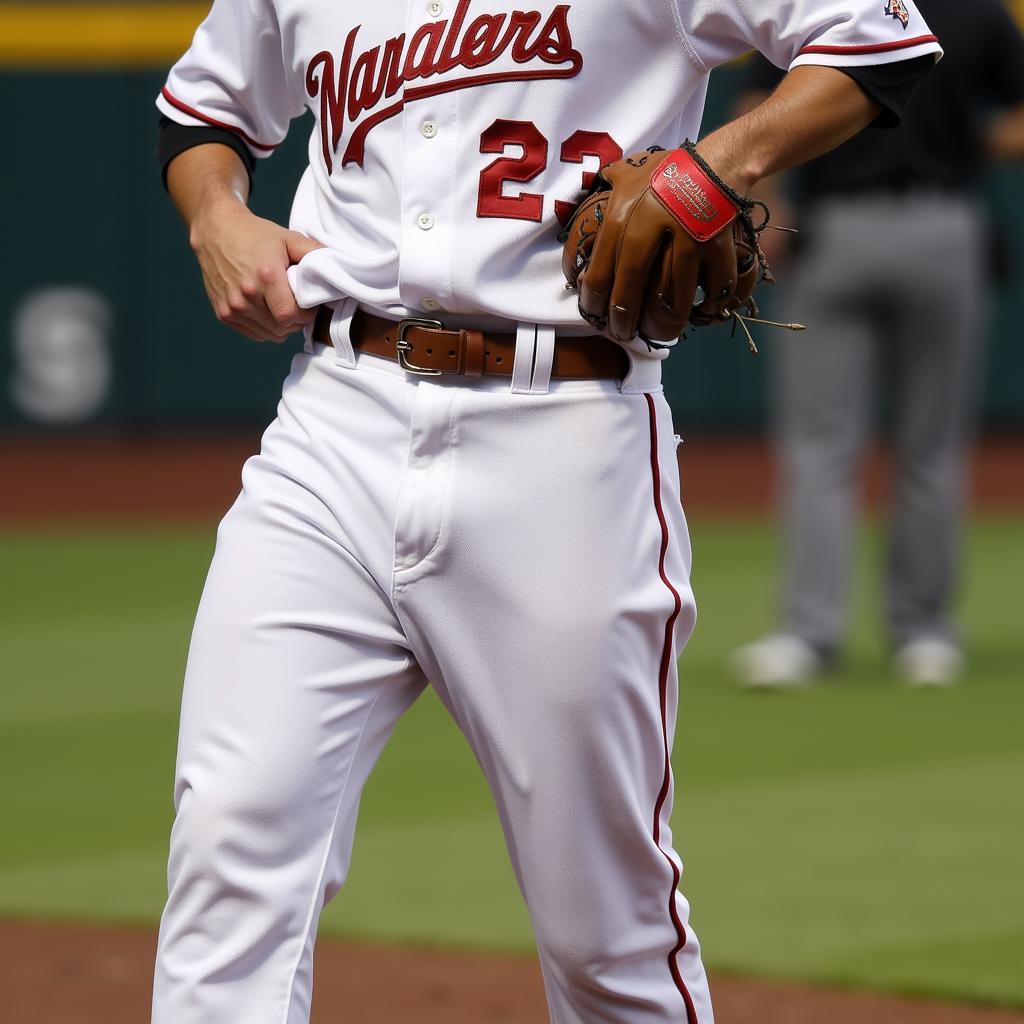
(424, 347)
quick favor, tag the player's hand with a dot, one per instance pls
(244, 260)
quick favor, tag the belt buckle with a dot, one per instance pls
(404, 347)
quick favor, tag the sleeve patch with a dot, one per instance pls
(897, 9)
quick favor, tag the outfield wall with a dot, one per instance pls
(103, 320)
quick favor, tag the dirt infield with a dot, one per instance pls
(52, 974)
(102, 480)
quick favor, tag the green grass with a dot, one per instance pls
(859, 833)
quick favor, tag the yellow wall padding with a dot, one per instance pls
(107, 35)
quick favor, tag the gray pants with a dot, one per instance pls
(892, 292)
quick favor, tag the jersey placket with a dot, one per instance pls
(430, 148)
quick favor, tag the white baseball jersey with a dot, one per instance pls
(451, 136)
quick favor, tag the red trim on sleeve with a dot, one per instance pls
(900, 44)
(192, 112)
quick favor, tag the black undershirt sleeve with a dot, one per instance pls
(889, 85)
(173, 139)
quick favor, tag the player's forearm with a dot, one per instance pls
(204, 179)
(813, 110)
(244, 258)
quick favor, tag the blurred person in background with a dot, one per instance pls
(892, 269)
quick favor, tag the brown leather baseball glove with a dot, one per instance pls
(656, 226)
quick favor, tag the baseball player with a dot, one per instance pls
(471, 481)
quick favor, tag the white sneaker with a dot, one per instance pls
(929, 661)
(779, 661)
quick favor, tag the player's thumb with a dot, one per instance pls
(299, 246)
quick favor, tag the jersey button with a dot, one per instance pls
(435, 8)
(425, 221)
(431, 304)
(429, 129)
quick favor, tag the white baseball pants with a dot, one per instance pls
(524, 554)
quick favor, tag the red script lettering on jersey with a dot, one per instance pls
(355, 86)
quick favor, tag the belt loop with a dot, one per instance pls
(472, 345)
(544, 358)
(522, 368)
(340, 331)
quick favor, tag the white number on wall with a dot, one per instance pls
(63, 368)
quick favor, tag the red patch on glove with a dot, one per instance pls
(692, 197)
